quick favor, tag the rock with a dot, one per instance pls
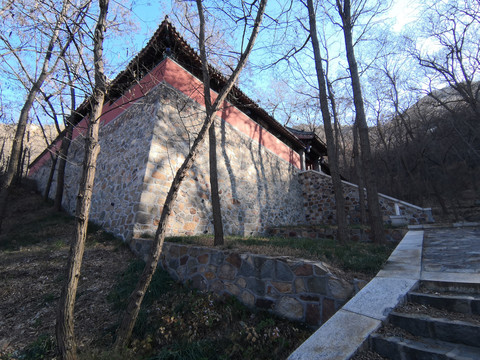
(304, 270)
(328, 309)
(283, 271)
(199, 282)
(247, 298)
(227, 272)
(340, 289)
(312, 315)
(283, 287)
(317, 285)
(290, 308)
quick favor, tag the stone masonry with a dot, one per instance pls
(144, 144)
(142, 149)
(299, 290)
(319, 200)
(256, 187)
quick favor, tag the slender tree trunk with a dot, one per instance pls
(65, 313)
(18, 174)
(136, 298)
(216, 207)
(212, 140)
(332, 152)
(2, 155)
(374, 212)
(50, 176)
(357, 163)
(66, 141)
(6, 180)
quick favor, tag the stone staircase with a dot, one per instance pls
(439, 320)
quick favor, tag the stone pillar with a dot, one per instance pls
(302, 159)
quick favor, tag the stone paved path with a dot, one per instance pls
(452, 250)
(449, 255)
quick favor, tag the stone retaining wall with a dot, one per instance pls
(299, 290)
(319, 200)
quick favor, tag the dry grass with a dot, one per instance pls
(33, 255)
(175, 322)
(354, 259)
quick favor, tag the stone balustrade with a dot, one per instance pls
(300, 290)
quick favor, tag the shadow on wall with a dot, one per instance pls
(233, 182)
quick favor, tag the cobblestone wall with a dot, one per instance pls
(300, 290)
(320, 208)
(140, 153)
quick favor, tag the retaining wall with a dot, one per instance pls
(319, 201)
(299, 290)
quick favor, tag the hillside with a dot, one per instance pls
(175, 321)
(34, 142)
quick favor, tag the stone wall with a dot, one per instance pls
(121, 165)
(140, 152)
(319, 199)
(300, 290)
(257, 188)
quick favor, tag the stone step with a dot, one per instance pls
(401, 348)
(466, 304)
(453, 331)
(450, 288)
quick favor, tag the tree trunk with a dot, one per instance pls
(50, 176)
(6, 180)
(66, 141)
(374, 212)
(136, 297)
(332, 152)
(216, 208)
(65, 313)
(19, 173)
(358, 170)
(2, 156)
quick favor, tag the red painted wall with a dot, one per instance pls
(172, 73)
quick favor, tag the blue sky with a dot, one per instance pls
(148, 14)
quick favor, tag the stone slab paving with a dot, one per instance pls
(343, 333)
(378, 298)
(405, 261)
(334, 340)
(442, 254)
(452, 250)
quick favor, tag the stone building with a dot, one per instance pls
(153, 110)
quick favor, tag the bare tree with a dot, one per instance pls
(34, 86)
(65, 314)
(66, 139)
(342, 236)
(136, 298)
(375, 215)
(451, 30)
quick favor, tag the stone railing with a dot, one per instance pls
(299, 290)
(319, 200)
